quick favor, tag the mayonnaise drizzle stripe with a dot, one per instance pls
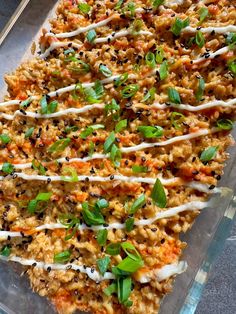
(169, 212)
(218, 29)
(212, 55)
(60, 113)
(56, 45)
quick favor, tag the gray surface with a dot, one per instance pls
(219, 294)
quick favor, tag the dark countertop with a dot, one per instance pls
(219, 294)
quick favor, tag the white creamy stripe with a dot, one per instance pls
(212, 55)
(216, 29)
(169, 212)
(60, 44)
(119, 34)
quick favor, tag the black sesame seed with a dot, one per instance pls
(112, 177)
(211, 187)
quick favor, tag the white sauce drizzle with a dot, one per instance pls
(169, 212)
(218, 30)
(119, 34)
(212, 55)
(172, 3)
(55, 45)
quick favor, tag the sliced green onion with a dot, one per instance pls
(73, 176)
(159, 55)
(70, 129)
(150, 59)
(150, 95)
(139, 169)
(157, 3)
(26, 103)
(136, 26)
(5, 138)
(121, 125)
(200, 90)
(72, 224)
(80, 67)
(113, 108)
(130, 265)
(131, 8)
(103, 264)
(178, 25)
(91, 35)
(118, 5)
(102, 237)
(129, 91)
(121, 79)
(91, 95)
(109, 142)
(62, 257)
(39, 167)
(33, 205)
(138, 203)
(69, 51)
(232, 66)
(99, 89)
(90, 129)
(84, 7)
(124, 289)
(105, 70)
(5, 251)
(151, 131)
(225, 124)
(112, 288)
(209, 153)
(231, 40)
(129, 224)
(7, 168)
(101, 204)
(52, 107)
(29, 132)
(158, 194)
(115, 155)
(113, 249)
(174, 96)
(94, 217)
(44, 105)
(91, 148)
(163, 71)
(176, 118)
(60, 145)
(203, 14)
(44, 197)
(199, 39)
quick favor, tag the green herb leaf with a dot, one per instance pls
(209, 153)
(203, 13)
(113, 108)
(72, 224)
(84, 7)
(92, 217)
(52, 107)
(150, 95)
(157, 3)
(118, 5)
(99, 89)
(225, 124)
(158, 194)
(26, 103)
(232, 66)
(122, 124)
(7, 168)
(5, 251)
(176, 118)
(44, 196)
(138, 203)
(139, 169)
(173, 95)
(60, 145)
(90, 129)
(129, 224)
(131, 8)
(112, 288)
(109, 142)
(113, 249)
(150, 59)
(199, 39)
(136, 26)
(101, 204)
(34, 205)
(44, 105)
(70, 129)
(178, 25)
(102, 237)
(103, 264)
(80, 66)
(163, 71)
(115, 155)
(72, 173)
(124, 289)
(29, 132)
(159, 55)
(62, 257)
(231, 40)
(129, 91)
(5, 138)
(91, 148)
(200, 90)
(39, 167)
(91, 35)
(121, 79)
(151, 131)
(130, 265)
(69, 51)
(104, 70)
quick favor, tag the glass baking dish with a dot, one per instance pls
(205, 240)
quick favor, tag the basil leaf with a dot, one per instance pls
(203, 13)
(91, 35)
(92, 217)
(60, 145)
(7, 168)
(163, 71)
(129, 91)
(5, 138)
(113, 249)
(105, 71)
(29, 132)
(150, 59)
(103, 264)
(158, 194)
(138, 203)
(176, 118)
(225, 124)
(150, 95)
(102, 237)
(139, 169)
(209, 153)
(121, 79)
(178, 25)
(157, 3)
(151, 131)
(109, 142)
(62, 257)
(129, 224)
(199, 39)
(200, 90)
(122, 124)
(84, 7)
(173, 95)
(5, 251)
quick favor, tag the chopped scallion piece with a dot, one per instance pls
(105, 70)
(102, 237)
(90, 129)
(84, 7)
(173, 95)
(122, 124)
(7, 168)
(209, 153)
(109, 142)
(199, 39)
(178, 25)
(203, 13)
(39, 167)
(151, 131)
(121, 79)
(150, 95)
(232, 66)
(158, 194)
(139, 169)
(176, 118)
(5, 138)
(129, 224)
(91, 35)
(114, 109)
(29, 132)
(163, 71)
(200, 90)
(92, 217)
(157, 3)
(138, 203)
(26, 103)
(103, 264)
(159, 55)
(113, 249)
(225, 124)
(129, 91)
(150, 59)
(62, 257)
(118, 5)
(5, 251)
(73, 176)
(60, 145)
(115, 155)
